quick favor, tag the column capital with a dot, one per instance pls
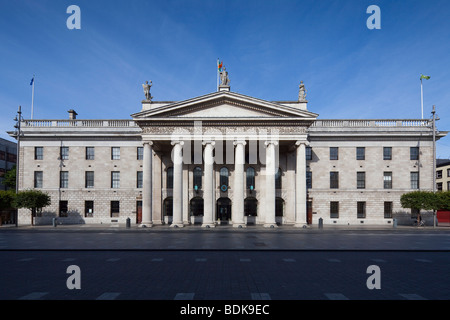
(239, 141)
(299, 142)
(266, 143)
(177, 142)
(149, 142)
(211, 142)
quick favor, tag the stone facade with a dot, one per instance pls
(254, 158)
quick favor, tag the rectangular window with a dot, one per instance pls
(360, 180)
(414, 153)
(115, 179)
(64, 179)
(63, 208)
(414, 180)
(439, 186)
(115, 153)
(115, 208)
(439, 174)
(38, 153)
(387, 180)
(89, 208)
(448, 172)
(64, 153)
(387, 153)
(387, 209)
(90, 155)
(139, 181)
(308, 152)
(308, 180)
(334, 209)
(334, 180)
(2, 155)
(140, 153)
(11, 157)
(360, 153)
(89, 179)
(38, 179)
(448, 185)
(361, 209)
(334, 153)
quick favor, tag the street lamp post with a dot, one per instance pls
(18, 133)
(433, 112)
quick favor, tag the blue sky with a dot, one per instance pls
(268, 47)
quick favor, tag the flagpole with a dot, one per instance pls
(421, 96)
(217, 88)
(32, 98)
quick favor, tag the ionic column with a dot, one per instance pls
(238, 192)
(270, 184)
(300, 185)
(177, 220)
(208, 191)
(147, 185)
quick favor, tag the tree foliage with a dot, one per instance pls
(31, 199)
(426, 200)
(6, 199)
(9, 179)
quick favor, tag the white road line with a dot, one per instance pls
(289, 260)
(412, 296)
(108, 296)
(157, 259)
(260, 296)
(334, 260)
(69, 259)
(25, 259)
(245, 260)
(33, 296)
(184, 296)
(423, 260)
(113, 259)
(378, 260)
(335, 296)
(200, 260)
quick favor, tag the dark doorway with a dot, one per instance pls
(309, 212)
(138, 212)
(197, 206)
(223, 210)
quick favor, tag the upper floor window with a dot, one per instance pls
(360, 153)
(64, 179)
(64, 153)
(308, 152)
(169, 181)
(115, 153)
(38, 179)
(360, 180)
(139, 180)
(250, 178)
(115, 179)
(90, 153)
(414, 153)
(38, 153)
(334, 180)
(197, 178)
(415, 180)
(224, 179)
(334, 153)
(387, 180)
(387, 153)
(439, 174)
(308, 179)
(278, 175)
(140, 153)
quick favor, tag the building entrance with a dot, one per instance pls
(223, 211)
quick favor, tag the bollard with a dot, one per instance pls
(320, 223)
(128, 222)
(395, 223)
(54, 222)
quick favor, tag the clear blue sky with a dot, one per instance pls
(268, 47)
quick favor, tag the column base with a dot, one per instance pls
(177, 225)
(301, 225)
(270, 225)
(208, 225)
(146, 224)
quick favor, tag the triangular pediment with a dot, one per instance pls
(223, 105)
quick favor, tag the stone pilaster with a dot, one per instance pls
(147, 185)
(300, 185)
(238, 192)
(208, 191)
(270, 184)
(177, 220)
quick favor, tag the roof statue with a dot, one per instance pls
(146, 86)
(224, 80)
(301, 92)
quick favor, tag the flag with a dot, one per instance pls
(31, 82)
(219, 65)
(424, 77)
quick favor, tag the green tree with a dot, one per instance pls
(9, 179)
(420, 200)
(6, 199)
(31, 199)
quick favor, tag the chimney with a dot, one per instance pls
(72, 114)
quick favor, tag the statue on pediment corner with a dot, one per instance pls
(146, 86)
(302, 92)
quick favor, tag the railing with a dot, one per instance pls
(79, 123)
(370, 123)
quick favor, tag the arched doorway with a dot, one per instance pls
(196, 210)
(250, 209)
(223, 211)
(168, 209)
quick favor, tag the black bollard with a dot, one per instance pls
(320, 223)
(128, 222)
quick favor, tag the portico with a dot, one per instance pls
(231, 152)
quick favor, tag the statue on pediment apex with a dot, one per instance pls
(146, 86)
(302, 92)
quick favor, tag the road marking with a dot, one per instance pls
(69, 259)
(184, 296)
(289, 260)
(113, 259)
(412, 296)
(335, 296)
(157, 259)
(423, 260)
(245, 260)
(334, 260)
(25, 259)
(260, 296)
(108, 296)
(378, 260)
(200, 260)
(33, 296)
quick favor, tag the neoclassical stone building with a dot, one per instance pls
(224, 158)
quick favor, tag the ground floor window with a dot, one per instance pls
(63, 208)
(168, 207)
(89, 208)
(387, 209)
(115, 209)
(334, 209)
(279, 206)
(250, 207)
(196, 206)
(361, 209)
